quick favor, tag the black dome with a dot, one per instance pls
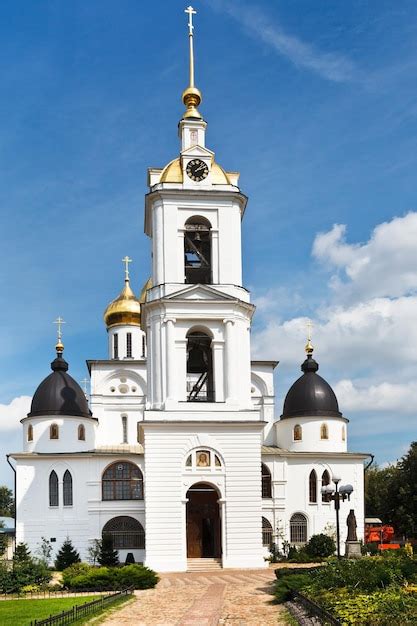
(59, 394)
(310, 395)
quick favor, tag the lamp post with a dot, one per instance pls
(337, 494)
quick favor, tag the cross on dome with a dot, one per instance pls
(309, 346)
(59, 322)
(126, 260)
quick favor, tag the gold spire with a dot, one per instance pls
(59, 346)
(125, 309)
(191, 96)
(309, 346)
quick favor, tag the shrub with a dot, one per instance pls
(96, 579)
(83, 577)
(291, 582)
(320, 546)
(67, 555)
(74, 570)
(136, 576)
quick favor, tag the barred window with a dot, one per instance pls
(312, 486)
(298, 528)
(67, 488)
(129, 345)
(266, 532)
(122, 481)
(266, 482)
(53, 489)
(126, 532)
(53, 431)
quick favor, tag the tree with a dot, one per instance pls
(94, 551)
(21, 554)
(107, 555)
(44, 550)
(4, 540)
(6, 502)
(67, 555)
(405, 514)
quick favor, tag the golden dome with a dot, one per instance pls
(125, 309)
(172, 173)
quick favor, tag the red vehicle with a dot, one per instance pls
(382, 534)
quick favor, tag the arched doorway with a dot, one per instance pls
(203, 522)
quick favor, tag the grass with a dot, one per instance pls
(21, 612)
(100, 616)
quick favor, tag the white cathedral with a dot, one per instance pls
(179, 455)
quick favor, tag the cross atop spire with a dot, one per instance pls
(191, 96)
(126, 261)
(59, 346)
(309, 346)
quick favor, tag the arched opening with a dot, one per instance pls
(312, 486)
(266, 482)
(197, 251)
(30, 432)
(200, 385)
(53, 431)
(298, 529)
(203, 522)
(122, 481)
(67, 488)
(53, 489)
(298, 432)
(324, 431)
(343, 433)
(325, 480)
(81, 432)
(125, 531)
(266, 532)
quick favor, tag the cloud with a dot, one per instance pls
(385, 265)
(11, 414)
(329, 65)
(383, 397)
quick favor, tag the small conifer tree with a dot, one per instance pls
(21, 554)
(108, 556)
(66, 556)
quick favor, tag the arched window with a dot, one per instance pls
(81, 432)
(115, 346)
(122, 481)
(53, 431)
(200, 386)
(266, 532)
(312, 486)
(67, 488)
(266, 482)
(30, 432)
(325, 480)
(197, 251)
(324, 431)
(298, 528)
(298, 432)
(124, 428)
(343, 433)
(126, 532)
(53, 489)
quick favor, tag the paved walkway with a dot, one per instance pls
(224, 598)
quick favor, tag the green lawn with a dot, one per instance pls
(21, 612)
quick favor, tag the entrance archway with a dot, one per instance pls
(203, 522)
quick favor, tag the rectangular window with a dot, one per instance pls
(124, 427)
(129, 345)
(143, 346)
(115, 346)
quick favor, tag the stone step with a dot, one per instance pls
(203, 565)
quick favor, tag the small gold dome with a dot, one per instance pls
(172, 173)
(125, 309)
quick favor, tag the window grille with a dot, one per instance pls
(122, 481)
(129, 345)
(266, 532)
(266, 482)
(126, 532)
(53, 489)
(67, 489)
(298, 528)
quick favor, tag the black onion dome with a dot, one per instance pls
(310, 395)
(59, 394)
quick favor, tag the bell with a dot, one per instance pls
(196, 363)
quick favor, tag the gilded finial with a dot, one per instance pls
(59, 346)
(309, 346)
(191, 96)
(126, 261)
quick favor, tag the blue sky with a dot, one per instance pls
(315, 103)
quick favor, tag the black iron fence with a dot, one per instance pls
(314, 609)
(80, 611)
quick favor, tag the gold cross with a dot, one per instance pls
(190, 12)
(309, 346)
(126, 261)
(59, 322)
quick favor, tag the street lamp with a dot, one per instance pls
(343, 493)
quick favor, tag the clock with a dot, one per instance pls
(197, 170)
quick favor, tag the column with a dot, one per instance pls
(170, 358)
(230, 373)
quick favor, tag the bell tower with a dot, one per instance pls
(197, 319)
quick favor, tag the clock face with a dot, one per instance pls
(197, 170)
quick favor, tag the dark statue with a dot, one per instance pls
(351, 524)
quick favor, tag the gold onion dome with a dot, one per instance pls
(125, 309)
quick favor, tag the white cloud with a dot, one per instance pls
(383, 397)
(11, 414)
(385, 265)
(329, 65)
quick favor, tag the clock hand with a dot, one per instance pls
(202, 166)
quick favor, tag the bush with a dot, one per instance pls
(136, 576)
(83, 577)
(320, 546)
(74, 570)
(66, 556)
(291, 582)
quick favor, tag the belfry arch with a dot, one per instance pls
(197, 251)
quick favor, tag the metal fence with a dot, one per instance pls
(314, 609)
(79, 611)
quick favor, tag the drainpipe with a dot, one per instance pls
(364, 472)
(15, 500)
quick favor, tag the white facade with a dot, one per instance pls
(181, 417)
